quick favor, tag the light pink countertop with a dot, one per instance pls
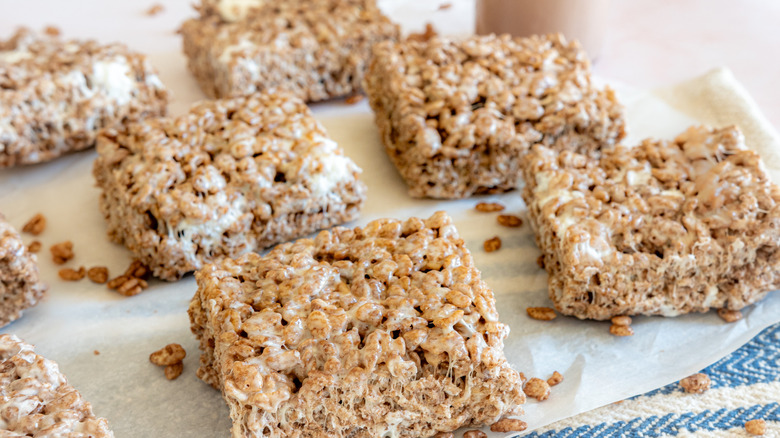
(653, 43)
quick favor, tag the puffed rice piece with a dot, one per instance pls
(230, 177)
(20, 285)
(171, 354)
(537, 388)
(39, 398)
(240, 48)
(354, 333)
(696, 383)
(663, 228)
(756, 427)
(508, 425)
(456, 115)
(55, 94)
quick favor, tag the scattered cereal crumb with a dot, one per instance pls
(623, 320)
(444, 435)
(426, 35)
(353, 99)
(621, 330)
(168, 355)
(489, 207)
(69, 274)
(555, 379)
(34, 246)
(510, 220)
(508, 425)
(36, 225)
(137, 270)
(541, 313)
(695, 384)
(62, 252)
(173, 371)
(537, 388)
(98, 274)
(756, 427)
(52, 31)
(132, 282)
(493, 244)
(540, 261)
(730, 315)
(445, 6)
(155, 9)
(474, 434)
(96, 353)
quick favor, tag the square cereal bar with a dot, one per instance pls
(314, 50)
(664, 228)
(20, 286)
(37, 399)
(455, 116)
(55, 95)
(385, 330)
(229, 177)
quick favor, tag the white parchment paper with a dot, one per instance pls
(102, 340)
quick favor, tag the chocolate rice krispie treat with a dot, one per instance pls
(55, 94)
(229, 177)
(314, 50)
(455, 116)
(664, 228)
(37, 400)
(385, 330)
(20, 286)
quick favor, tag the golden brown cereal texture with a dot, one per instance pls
(492, 244)
(489, 207)
(663, 228)
(168, 355)
(756, 427)
(621, 330)
(58, 93)
(509, 220)
(35, 225)
(378, 326)
(555, 379)
(39, 397)
(69, 274)
(230, 177)
(730, 315)
(541, 313)
(98, 274)
(174, 370)
(284, 46)
(696, 383)
(62, 252)
(34, 246)
(537, 388)
(20, 285)
(456, 115)
(508, 425)
(621, 320)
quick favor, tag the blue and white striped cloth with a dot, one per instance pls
(745, 386)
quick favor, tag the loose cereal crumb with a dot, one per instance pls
(353, 99)
(730, 315)
(69, 274)
(130, 286)
(96, 353)
(541, 313)
(540, 261)
(173, 371)
(621, 330)
(508, 425)
(555, 379)
(493, 244)
(34, 246)
(695, 384)
(62, 252)
(168, 355)
(36, 225)
(489, 207)
(444, 435)
(623, 320)
(474, 434)
(155, 9)
(510, 220)
(98, 274)
(756, 427)
(537, 388)
(52, 31)
(426, 35)
(445, 6)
